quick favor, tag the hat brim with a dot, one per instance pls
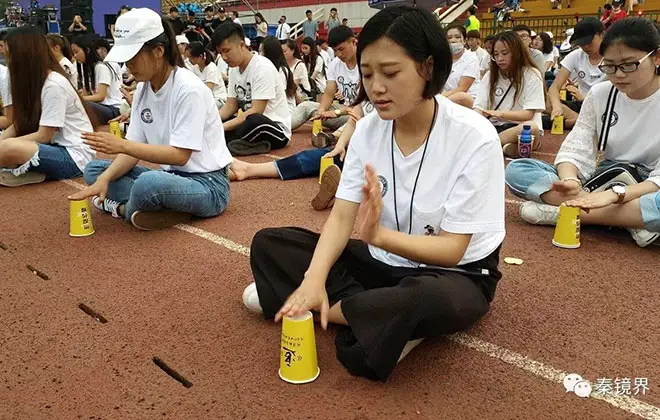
(582, 41)
(123, 53)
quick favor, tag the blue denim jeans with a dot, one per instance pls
(51, 160)
(531, 178)
(303, 164)
(143, 189)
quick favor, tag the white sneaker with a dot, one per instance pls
(251, 299)
(409, 346)
(107, 205)
(643, 237)
(539, 214)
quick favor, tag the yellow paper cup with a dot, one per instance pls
(325, 164)
(567, 231)
(562, 94)
(114, 129)
(558, 125)
(80, 219)
(298, 362)
(317, 127)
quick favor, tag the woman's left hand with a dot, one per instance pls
(372, 207)
(594, 200)
(104, 143)
(492, 114)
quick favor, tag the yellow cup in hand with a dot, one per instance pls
(567, 231)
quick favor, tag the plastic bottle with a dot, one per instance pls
(525, 142)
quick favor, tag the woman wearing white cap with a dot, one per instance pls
(174, 123)
(184, 44)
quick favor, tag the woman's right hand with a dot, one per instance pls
(557, 112)
(568, 187)
(122, 118)
(309, 296)
(99, 188)
(339, 150)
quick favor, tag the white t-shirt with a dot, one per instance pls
(112, 79)
(484, 59)
(531, 98)
(301, 77)
(326, 57)
(5, 86)
(211, 74)
(466, 66)
(70, 69)
(182, 114)
(61, 108)
(320, 75)
(585, 73)
(461, 183)
(549, 57)
(283, 31)
(261, 81)
(348, 80)
(633, 134)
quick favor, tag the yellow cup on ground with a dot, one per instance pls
(298, 362)
(326, 162)
(557, 125)
(80, 219)
(115, 130)
(562, 94)
(317, 127)
(567, 231)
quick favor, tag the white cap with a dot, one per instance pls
(533, 34)
(132, 30)
(550, 34)
(182, 39)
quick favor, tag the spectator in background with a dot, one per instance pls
(191, 28)
(208, 23)
(462, 85)
(525, 34)
(262, 28)
(617, 12)
(310, 26)
(474, 43)
(77, 27)
(221, 18)
(607, 15)
(344, 22)
(489, 42)
(472, 23)
(543, 43)
(234, 18)
(333, 20)
(175, 21)
(326, 52)
(283, 29)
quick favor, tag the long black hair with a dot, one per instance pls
(418, 32)
(634, 32)
(87, 70)
(197, 49)
(272, 50)
(310, 60)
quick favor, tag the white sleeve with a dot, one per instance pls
(482, 96)
(352, 174)
(472, 68)
(332, 71)
(211, 74)
(264, 85)
(103, 75)
(189, 117)
(53, 106)
(579, 147)
(300, 73)
(231, 90)
(570, 61)
(532, 96)
(318, 68)
(476, 201)
(5, 91)
(135, 129)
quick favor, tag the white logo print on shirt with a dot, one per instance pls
(348, 89)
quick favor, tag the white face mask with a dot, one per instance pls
(456, 48)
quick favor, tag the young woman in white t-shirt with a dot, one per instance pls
(631, 61)
(174, 123)
(208, 72)
(44, 141)
(543, 43)
(463, 82)
(271, 48)
(101, 82)
(511, 94)
(315, 64)
(62, 51)
(429, 177)
(297, 66)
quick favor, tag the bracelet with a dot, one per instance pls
(570, 178)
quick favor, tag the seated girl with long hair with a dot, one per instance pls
(315, 64)
(44, 140)
(271, 48)
(62, 51)
(511, 94)
(631, 61)
(174, 123)
(203, 59)
(463, 83)
(101, 82)
(429, 176)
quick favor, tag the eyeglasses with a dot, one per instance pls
(624, 67)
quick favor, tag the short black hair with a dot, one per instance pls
(607, 6)
(472, 10)
(3, 34)
(174, 9)
(334, 9)
(102, 43)
(124, 7)
(224, 32)
(522, 28)
(475, 34)
(339, 34)
(320, 41)
(208, 9)
(490, 38)
(308, 11)
(419, 33)
(459, 27)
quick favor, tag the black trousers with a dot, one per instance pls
(385, 306)
(258, 134)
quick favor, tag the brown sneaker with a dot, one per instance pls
(155, 220)
(327, 189)
(323, 140)
(9, 180)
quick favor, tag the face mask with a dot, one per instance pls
(456, 48)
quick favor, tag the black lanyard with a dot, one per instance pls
(419, 171)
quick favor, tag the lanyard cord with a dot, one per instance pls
(419, 171)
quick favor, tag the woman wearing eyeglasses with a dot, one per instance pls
(631, 61)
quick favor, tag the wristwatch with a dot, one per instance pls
(620, 191)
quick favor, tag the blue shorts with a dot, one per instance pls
(51, 160)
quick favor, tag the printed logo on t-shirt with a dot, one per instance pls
(348, 89)
(581, 74)
(383, 185)
(613, 121)
(499, 91)
(368, 107)
(147, 116)
(244, 96)
(429, 230)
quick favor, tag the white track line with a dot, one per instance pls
(547, 372)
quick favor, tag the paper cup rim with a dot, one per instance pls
(299, 318)
(303, 381)
(560, 245)
(83, 235)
